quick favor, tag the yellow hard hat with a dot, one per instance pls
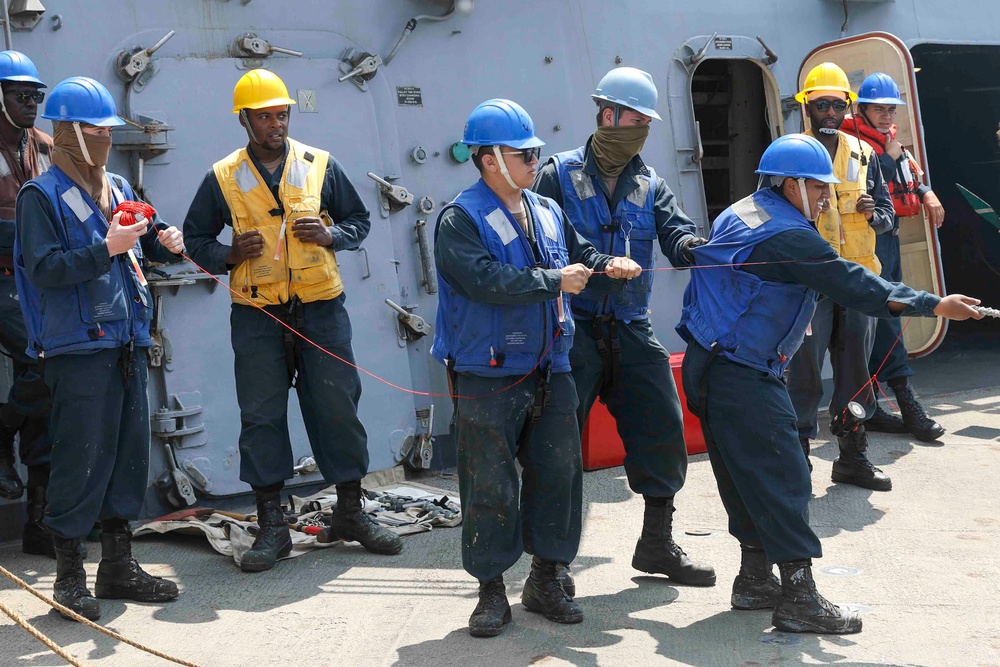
(826, 78)
(259, 89)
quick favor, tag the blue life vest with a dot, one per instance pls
(111, 310)
(633, 220)
(496, 340)
(757, 323)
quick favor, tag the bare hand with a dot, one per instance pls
(312, 230)
(958, 307)
(933, 209)
(122, 239)
(865, 205)
(894, 149)
(622, 267)
(172, 239)
(574, 278)
(247, 245)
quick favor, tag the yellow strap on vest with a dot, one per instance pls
(288, 266)
(847, 231)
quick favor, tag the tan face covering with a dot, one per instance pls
(613, 147)
(69, 156)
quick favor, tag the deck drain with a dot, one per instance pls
(702, 532)
(840, 571)
(780, 638)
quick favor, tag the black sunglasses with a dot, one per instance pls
(527, 154)
(824, 105)
(23, 96)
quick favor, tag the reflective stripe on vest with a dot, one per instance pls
(631, 226)
(847, 231)
(288, 267)
(757, 323)
(109, 310)
(491, 339)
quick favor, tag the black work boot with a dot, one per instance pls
(273, 539)
(885, 422)
(70, 588)
(563, 575)
(350, 522)
(493, 610)
(11, 486)
(36, 539)
(853, 466)
(914, 418)
(544, 594)
(657, 553)
(755, 587)
(804, 443)
(802, 609)
(119, 576)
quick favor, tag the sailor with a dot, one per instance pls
(860, 209)
(24, 154)
(889, 362)
(87, 311)
(618, 203)
(508, 261)
(291, 208)
(743, 320)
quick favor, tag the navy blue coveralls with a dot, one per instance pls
(328, 390)
(488, 309)
(616, 356)
(737, 388)
(26, 411)
(891, 356)
(91, 340)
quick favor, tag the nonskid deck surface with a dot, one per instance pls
(920, 563)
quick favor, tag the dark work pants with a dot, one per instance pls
(848, 335)
(544, 519)
(643, 400)
(328, 391)
(27, 408)
(99, 426)
(888, 330)
(749, 427)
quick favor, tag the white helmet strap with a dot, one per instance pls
(805, 200)
(503, 167)
(83, 144)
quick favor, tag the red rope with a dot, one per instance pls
(129, 208)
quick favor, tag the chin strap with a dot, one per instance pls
(805, 200)
(503, 168)
(83, 144)
(246, 126)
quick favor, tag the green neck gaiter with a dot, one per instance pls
(613, 147)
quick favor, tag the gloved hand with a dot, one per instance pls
(692, 242)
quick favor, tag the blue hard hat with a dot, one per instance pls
(798, 156)
(879, 88)
(83, 100)
(500, 122)
(629, 87)
(15, 66)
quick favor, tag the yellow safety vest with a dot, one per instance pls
(288, 266)
(847, 231)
